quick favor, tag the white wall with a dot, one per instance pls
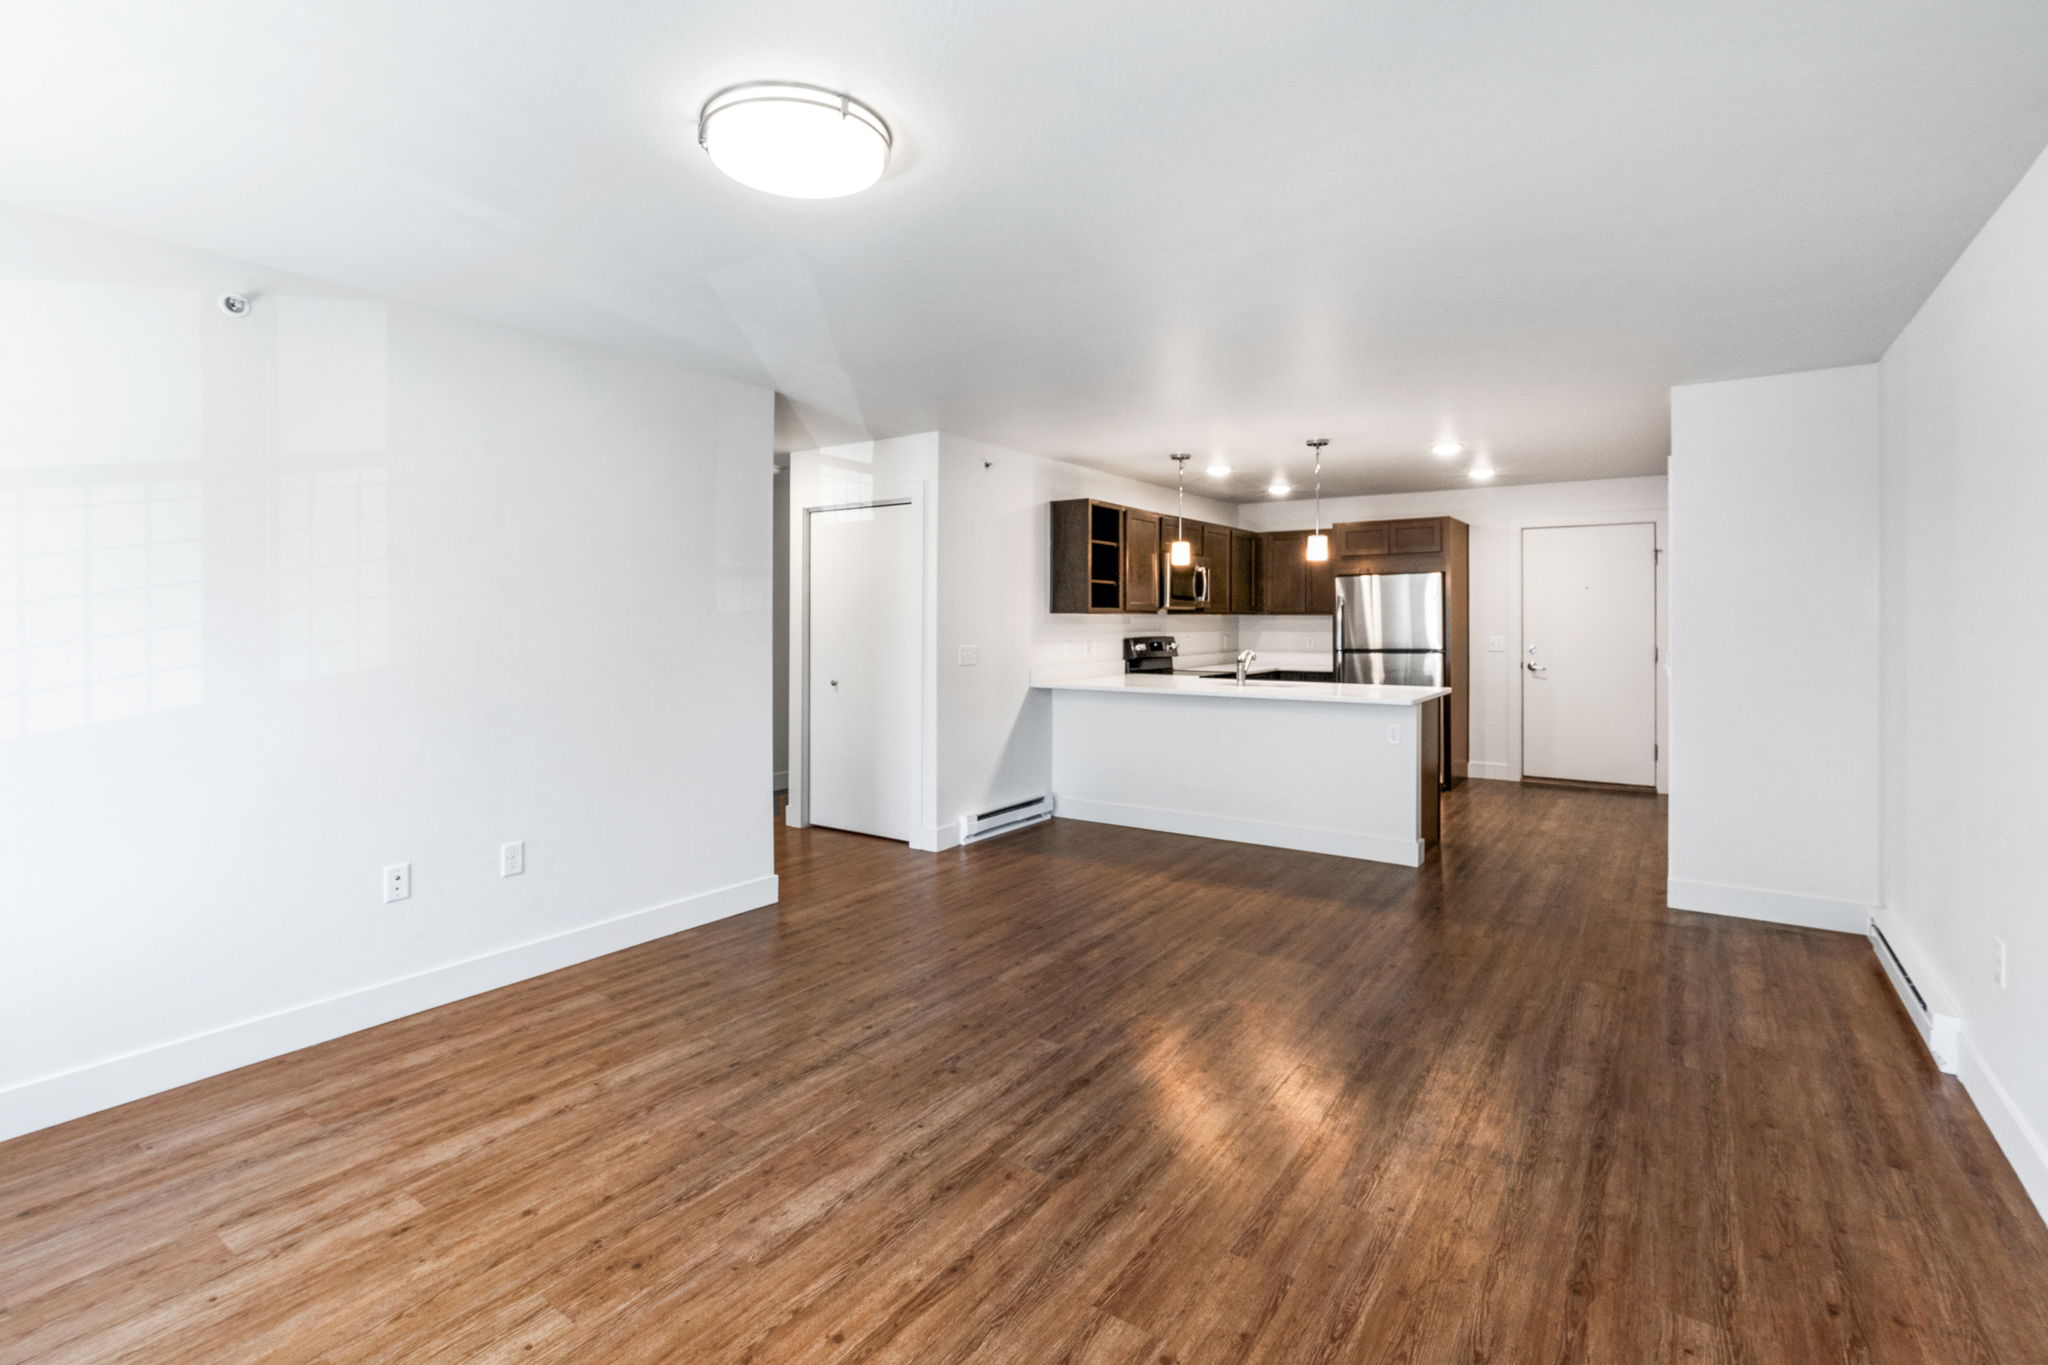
(288, 598)
(995, 550)
(1966, 655)
(1774, 661)
(1497, 516)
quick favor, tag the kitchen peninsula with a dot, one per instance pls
(1343, 768)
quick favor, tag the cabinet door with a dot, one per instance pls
(1321, 589)
(1244, 572)
(1141, 561)
(1216, 549)
(1415, 537)
(1283, 572)
(1362, 538)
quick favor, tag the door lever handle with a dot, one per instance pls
(1537, 668)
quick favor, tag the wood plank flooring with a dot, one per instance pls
(1082, 1094)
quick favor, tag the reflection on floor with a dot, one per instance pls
(1083, 1093)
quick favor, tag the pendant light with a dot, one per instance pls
(1181, 554)
(1318, 543)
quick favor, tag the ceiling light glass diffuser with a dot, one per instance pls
(1219, 470)
(800, 141)
(1480, 472)
(1447, 449)
(1279, 488)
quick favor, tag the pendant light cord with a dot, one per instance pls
(1317, 445)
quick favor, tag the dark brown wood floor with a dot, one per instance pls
(1082, 1094)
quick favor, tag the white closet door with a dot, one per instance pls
(1589, 638)
(866, 613)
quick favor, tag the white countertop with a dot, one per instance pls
(1187, 685)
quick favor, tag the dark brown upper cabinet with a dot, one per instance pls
(1215, 547)
(1087, 556)
(1424, 537)
(1288, 584)
(1244, 573)
(1142, 546)
(1360, 538)
(1414, 545)
(1283, 573)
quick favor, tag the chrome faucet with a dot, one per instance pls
(1244, 661)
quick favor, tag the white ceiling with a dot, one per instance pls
(1113, 229)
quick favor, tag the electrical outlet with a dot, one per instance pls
(1393, 734)
(512, 858)
(970, 655)
(397, 882)
(1998, 962)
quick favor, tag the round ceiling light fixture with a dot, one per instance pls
(1481, 472)
(1446, 449)
(1279, 488)
(800, 141)
(1219, 469)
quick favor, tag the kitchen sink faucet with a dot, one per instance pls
(1244, 661)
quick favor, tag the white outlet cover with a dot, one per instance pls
(512, 859)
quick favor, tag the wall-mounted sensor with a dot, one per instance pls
(235, 305)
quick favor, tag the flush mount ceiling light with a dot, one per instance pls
(1318, 543)
(1279, 487)
(801, 141)
(1447, 449)
(1219, 470)
(1481, 472)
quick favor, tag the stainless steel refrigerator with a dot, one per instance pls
(1390, 629)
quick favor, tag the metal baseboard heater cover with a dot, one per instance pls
(1940, 1030)
(1005, 819)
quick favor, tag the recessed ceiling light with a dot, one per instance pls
(801, 141)
(1447, 449)
(1279, 488)
(1219, 470)
(1482, 472)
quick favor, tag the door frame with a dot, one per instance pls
(1660, 640)
(798, 811)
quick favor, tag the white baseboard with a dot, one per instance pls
(1492, 772)
(935, 838)
(2022, 1146)
(1308, 839)
(1779, 907)
(68, 1095)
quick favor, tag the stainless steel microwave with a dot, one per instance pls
(1187, 585)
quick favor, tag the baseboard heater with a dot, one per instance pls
(1940, 1030)
(1004, 819)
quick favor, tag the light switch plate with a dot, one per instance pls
(970, 655)
(1496, 644)
(397, 882)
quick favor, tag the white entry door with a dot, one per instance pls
(865, 598)
(1589, 653)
